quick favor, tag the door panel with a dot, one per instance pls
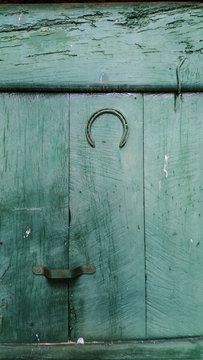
(105, 226)
(174, 210)
(34, 216)
(107, 222)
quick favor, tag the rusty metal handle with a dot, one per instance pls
(63, 273)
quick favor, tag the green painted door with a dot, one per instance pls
(135, 212)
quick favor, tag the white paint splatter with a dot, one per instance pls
(101, 77)
(166, 157)
(20, 17)
(37, 336)
(191, 240)
(27, 232)
(80, 341)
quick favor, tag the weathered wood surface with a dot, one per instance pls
(185, 349)
(92, 46)
(33, 218)
(174, 210)
(107, 220)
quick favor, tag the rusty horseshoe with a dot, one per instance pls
(102, 112)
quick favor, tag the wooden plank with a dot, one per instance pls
(185, 349)
(106, 202)
(174, 198)
(34, 212)
(116, 47)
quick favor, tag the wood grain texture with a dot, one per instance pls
(33, 217)
(174, 210)
(106, 201)
(118, 47)
(185, 349)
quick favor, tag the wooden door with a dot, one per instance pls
(65, 203)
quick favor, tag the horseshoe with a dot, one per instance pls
(102, 112)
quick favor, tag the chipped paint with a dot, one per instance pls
(131, 43)
(80, 341)
(166, 157)
(27, 232)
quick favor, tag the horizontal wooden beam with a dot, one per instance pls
(186, 349)
(92, 47)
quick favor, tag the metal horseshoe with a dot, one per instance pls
(102, 112)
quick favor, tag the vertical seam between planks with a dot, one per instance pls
(69, 113)
(144, 222)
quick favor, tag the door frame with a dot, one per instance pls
(188, 348)
(148, 67)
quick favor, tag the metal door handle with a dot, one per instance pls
(64, 273)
